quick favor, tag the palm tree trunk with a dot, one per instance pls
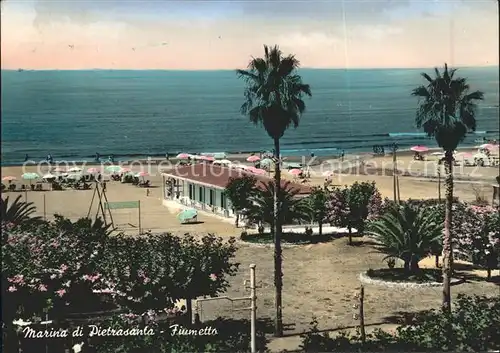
(278, 275)
(320, 224)
(447, 236)
(237, 222)
(350, 234)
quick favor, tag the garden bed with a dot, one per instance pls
(289, 239)
(398, 277)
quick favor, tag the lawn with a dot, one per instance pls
(320, 280)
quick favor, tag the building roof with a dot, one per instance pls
(218, 176)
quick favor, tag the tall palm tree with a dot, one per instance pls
(273, 99)
(447, 111)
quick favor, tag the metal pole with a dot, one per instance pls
(362, 314)
(44, 209)
(139, 217)
(253, 317)
(394, 168)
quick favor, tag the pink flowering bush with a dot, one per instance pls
(62, 267)
(353, 206)
(476, 231)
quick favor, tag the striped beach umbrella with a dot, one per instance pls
(142, 174)
(183, 156)
(295, 171)
(93, 170)
(187, 215)
(9, 178)
(113, 168)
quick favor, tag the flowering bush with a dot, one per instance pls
(59, 268)
(476, 231)
(351, 207)
(154, 271)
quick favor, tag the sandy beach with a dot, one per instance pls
(419, 181)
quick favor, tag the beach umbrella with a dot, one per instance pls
(49, 176)
(30, 176)
(437, 153)
(257, 171)
(93, 170)
(253, 159)
(73, 176)
(465, 155)
(124, 170)
(419, 149)
(295, 171)
(327, 173)
(266, 161)
(59, 170)
(9, 178)
(207, 158)
(485, 146)
(220, 155)
(141, 174)
(113, 168)
(225, 161)
(187, 215)
(75, 170)
(183, 156)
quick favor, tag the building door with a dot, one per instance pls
(223, 201)
(212, 197)
(201, 197)
(191, 191)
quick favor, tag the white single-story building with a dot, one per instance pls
(202, 186)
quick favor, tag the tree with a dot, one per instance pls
(447, 112)
(318, 200)
(239, 191)
(273, 99)
(407, 233)
(291, 207)
(352, 206)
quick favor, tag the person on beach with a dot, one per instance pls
(97, 157)
(103, 185)
(111, 158)
(147, 192)
(49, 158)
(342, 156)
(26, 157)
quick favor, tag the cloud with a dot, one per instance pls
(356, 10)
(314, 39)
(375, 32)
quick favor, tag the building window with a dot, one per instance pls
(191, 191)
(212, 194)
(201, 197)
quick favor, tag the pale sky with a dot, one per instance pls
(145, 34)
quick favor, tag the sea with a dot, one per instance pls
(73, 115)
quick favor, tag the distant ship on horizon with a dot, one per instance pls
(20, 70)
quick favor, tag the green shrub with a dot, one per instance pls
(475, 322)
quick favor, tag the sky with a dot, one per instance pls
(213, 35)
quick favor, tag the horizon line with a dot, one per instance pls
(214, 70)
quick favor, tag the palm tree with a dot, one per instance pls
(273, 98)
(447, 112)
(407, 233)
(291, 207)
(18, 212)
